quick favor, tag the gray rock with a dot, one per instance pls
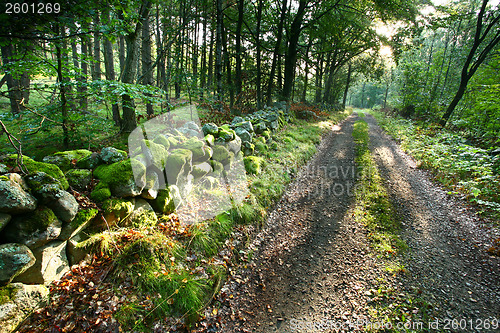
(128, 189)
(244, 135)
(188, 132)
(90, 162)
(65, 206)
(246, 125)
(234, 145)
(51, 264)
(43, 186)
(14, 197)
(112, 155)
(22, 301)
(79, 178)
(3, 169)
(210, 128)
(260, 127)
(237, 120)
(74, 253)
(150, 190)
(14, 260)
(192, 126)
(4, 219)
(33, 229)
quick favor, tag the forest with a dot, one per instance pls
(237, 166)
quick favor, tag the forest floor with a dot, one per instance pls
(313, 269)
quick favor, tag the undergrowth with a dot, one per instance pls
(465, 170)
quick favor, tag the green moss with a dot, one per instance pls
(117, 209)
(162, 140)
(34, 166)
(83, 216)
(266, 134)
(209, 138)
(65, 159)
(7, 293)
(253, 164)
(79, 178)
(201, 170)
(261, 147)
(220, 153)
(225, 133)
(164, 202)
(159, 153)
(119, 172)
(259, 139)
(178, 161)
(38, 179)
(218, 167)
(101, 192)
(197, 147)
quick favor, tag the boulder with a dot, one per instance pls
(210, 128)
(200, 170)
(246, 125)
(210, 182)
(33, 229)
(35, 166)
(152, 186)
(101, 192)
(79, 178)
(66, 160)
(162, 140)
(189, 133)
(260, 127)
(64, 206)
(167, 200)
(237, 120)
(90, 162)
(14, 260)
(81, 221)
(243, 134)
(14, 195)
(197, 147)
(51, 264)
(217, 167)
(110, 155)
(74, 252)
(192, 126)
(18, 301)
(225, 133)
(253, 164)
(125, 178)
(117, 210)
(4, 219)
(248, 148)
(3, 169)
(220, 153)
(179, 164)
(143, 215)
(154, 154)
(234, 145)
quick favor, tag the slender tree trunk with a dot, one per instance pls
(96, 73)
(347, 83)
(306, 73)
(239, 25)
(218, 54)
(203, 72)
(62, 89)
(121, 53)
(276, 52)
(146, 61)
(319, 78)
(258, 55)
(109, 66)
(13, 84)
(227, 62)
(82, 87)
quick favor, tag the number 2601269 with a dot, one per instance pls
(32, 8)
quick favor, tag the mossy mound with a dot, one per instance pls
(116, 210)
(39, 180)
(220, 153)
(119, 172)
(79, 178)
(261, 147)
(162, 140)
(167, 200)
(65, 160)
(101, 192)
(226, 133)
(179, 162)
(253, 164)
(33, 166)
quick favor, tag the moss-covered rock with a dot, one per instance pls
(14, 195)
(158, 154)
(79, 178)
(210, 128)
(248, 148)
(120, 177)
(253, 164)
(259, 139)
(14, 260)
(225, 133)
(167, 200)
(82, 220)
(116, 210)
(197, 147)
(101, 192)
(152, 186)
(210, 182)
(220, 153)
(261, 147)
(266, 134)
(112, 155)
(34, 166)
(3, 169)
(179, 163)
(162, 140)
(244, 135)
(260, 127)
(143, 215)
(90, 162)
(33, 229)
(217, 167)
(65, 160)
(200, 170)
(38, 183)
(210, 139)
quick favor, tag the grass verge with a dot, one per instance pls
(467, 171)
(391, 310)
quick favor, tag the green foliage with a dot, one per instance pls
(459, 166)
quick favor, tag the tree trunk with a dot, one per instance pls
(218, 54)
(122, 54)
(62, 90)
(129, 121)
(82, 87)
(96, 73)
(13, 84)
(276, 52)
(110, 71)
(239, 25)
(319, 78)
(146, 61)
(347, 83)
(258, 55)
(227, 62)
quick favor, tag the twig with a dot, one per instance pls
(19, 159)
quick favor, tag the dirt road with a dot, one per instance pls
(313, 269)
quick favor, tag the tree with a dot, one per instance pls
(487, 34)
